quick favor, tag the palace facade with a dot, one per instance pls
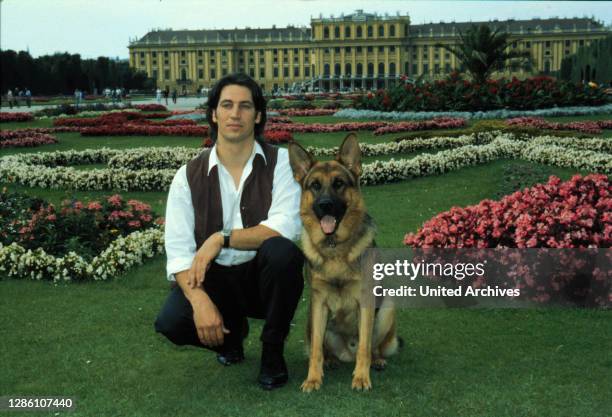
(360, 50)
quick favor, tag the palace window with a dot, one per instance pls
(296, 71)
(165, 53)
(381, 30)
(154, 54)
(275, 72)
(337, 70)
(381, 68)
(167, 74)
(347, 31)
(568, 43)
(359, 32)
(200, 73)
(547, 44)
(370, 49)
(326, 32)
(182, 53)
(392, 31)
(359, 49)
(286, 72)
(347, 69)
(360, 69)
(370, 31)
(392, 49)
(306, 72)
(370, 69)
(426, 68)
(381, 49)
(392, 69)
(262, 73)
(337, 32)
(337, 49)
(347, 49)
(142, 54)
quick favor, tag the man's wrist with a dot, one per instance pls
(226, 236)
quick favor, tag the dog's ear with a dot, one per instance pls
(349, 154)
(301, 161)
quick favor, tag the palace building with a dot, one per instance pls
(359, 50)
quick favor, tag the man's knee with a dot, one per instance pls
(279, 252)
(172, 327)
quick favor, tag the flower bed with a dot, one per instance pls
(306, 112)
(130, 129)
(19, 139)
(15, 117)
(40, 242)
(575, 214)
(491, 114)
(571, 214)
(440, 123)
(150, 107)
(49, 169)
(410, 145)
(593, 127)
(379, 128)
(277, 137)
(456, 94)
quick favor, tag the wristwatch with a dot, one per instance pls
(226, 238)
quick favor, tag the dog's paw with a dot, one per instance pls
(379, 364)
(362, 383)
(310, 385)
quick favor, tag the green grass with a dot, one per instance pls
(96, 343)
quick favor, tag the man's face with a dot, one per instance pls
(235, 114)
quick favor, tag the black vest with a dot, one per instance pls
(206, 193)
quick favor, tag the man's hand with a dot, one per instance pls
(203, 258)
(208, 321)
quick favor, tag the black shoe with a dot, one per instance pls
(233, 353)
(273, 372)
(231, 356)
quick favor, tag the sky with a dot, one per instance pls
(95, 28)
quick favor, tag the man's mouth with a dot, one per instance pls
(328, 224)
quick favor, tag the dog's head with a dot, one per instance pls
(330, 190)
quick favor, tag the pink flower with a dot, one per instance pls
(134, 223)
(94, 205)
(115, 200)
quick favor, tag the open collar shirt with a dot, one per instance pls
(283, 216)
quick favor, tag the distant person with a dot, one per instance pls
(158, 95)
(9, 98)
(16, 97)
(28, 97)
(166, 94)
(77, 98)
(174, 95)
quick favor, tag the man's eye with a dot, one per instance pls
(315, 186)
(226, 105)
(338, 183)
(246, 106)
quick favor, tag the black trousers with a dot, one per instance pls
(267, 287)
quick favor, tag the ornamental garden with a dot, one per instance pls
(520, 164)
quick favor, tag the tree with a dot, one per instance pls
(482, 51)
(590, 63)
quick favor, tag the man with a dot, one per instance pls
(231, 216)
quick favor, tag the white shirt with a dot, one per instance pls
(283, 216)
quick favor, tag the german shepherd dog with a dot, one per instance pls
(337, 231)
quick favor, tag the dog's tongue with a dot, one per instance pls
(328, 224)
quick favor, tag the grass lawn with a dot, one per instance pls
(95, 341)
